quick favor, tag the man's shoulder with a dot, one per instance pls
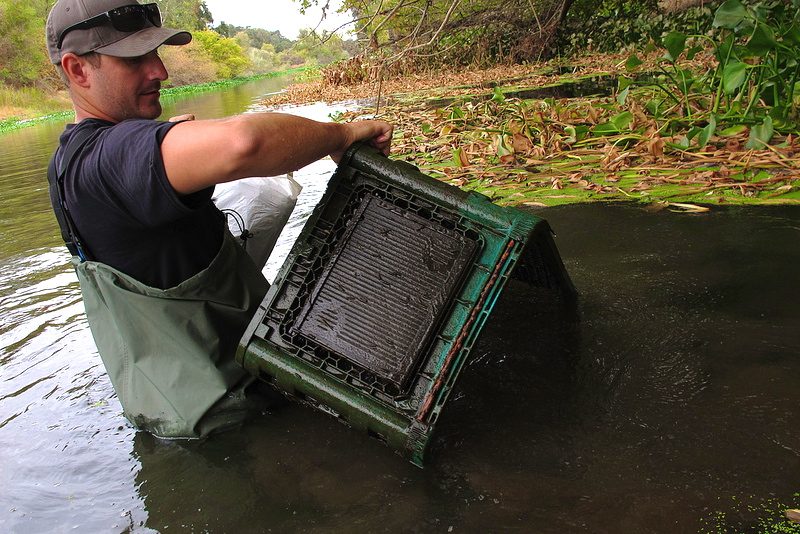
(104, 139)
(124, 128)
(127, 127)
(86, 125)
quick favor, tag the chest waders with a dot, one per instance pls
(169, 352)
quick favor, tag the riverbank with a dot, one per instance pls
(20, 108)
(550, 134)
(30, 104)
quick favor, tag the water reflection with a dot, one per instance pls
(25, 215)
(63, 449)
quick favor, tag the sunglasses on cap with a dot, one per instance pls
(130, 18)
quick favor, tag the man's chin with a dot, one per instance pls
(150, 106)
(151, 112)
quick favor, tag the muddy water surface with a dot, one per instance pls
(669, 394)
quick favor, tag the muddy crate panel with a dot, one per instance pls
(385, 288)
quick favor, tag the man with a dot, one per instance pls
(167, 291)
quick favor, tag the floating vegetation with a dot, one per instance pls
(714, 119)
(547, 152)
(750, 514)
(13, 123)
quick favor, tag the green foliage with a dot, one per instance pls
(435, 32)
(185, 14)
(258, 36)
(263, 59)
(24, 60)
(225, 52)
(319, 50)
(615, 25)
(755, 79)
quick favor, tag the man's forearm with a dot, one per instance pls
(198, 154)
(284, 143)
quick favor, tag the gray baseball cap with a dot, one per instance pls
(81, 26)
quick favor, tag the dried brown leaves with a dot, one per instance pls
(534, 144)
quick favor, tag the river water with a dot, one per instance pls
(672, 394)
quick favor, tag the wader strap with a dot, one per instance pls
(56, 179)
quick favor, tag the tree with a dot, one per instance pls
(226, 53)
(258, 36)
(319, 50)
(263, 59)
(186, 14)
(244, 40)
(23, 60)
(455, 31)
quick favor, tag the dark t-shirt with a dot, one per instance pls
(126, 212)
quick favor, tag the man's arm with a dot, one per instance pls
(198, 154)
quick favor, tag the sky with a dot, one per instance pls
(283, 15)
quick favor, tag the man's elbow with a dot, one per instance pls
(243, 150)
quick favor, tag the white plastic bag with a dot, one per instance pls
(264, 205)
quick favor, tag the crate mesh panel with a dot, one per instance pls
(310, 267)
(385, 289)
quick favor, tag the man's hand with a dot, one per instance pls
(184, 117)
(377, 133)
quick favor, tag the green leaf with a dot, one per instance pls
(605, 128)
(793, 34)
(623, 88)
(763, 40)
(733, 76)
(632, 62)
(730, 15)
(622, 96)
(675, 43)
(730, 131)
(692, 133)
(458, 157)
(693, 52)
(426, 128)
(707, 132)
(497, 95)
(654, 107)
(623, 120)
(575, 133)
(724, 51)
(457, 113)
(760, 134)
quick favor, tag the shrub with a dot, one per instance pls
(188, 64)
(225, 52)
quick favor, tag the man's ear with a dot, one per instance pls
(77, 69)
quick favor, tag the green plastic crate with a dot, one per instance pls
(377, 306)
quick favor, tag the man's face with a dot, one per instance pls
(128, 88)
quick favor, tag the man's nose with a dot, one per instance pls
(156, 68)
